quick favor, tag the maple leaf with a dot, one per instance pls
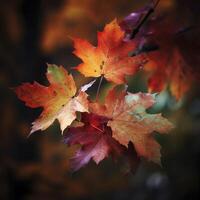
(130, 122)
(110, 58)
(95, 139)
(58, 99)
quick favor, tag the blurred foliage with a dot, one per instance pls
(35, 32)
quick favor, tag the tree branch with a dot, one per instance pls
(137, 29)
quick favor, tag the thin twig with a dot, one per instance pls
(99, 86)
(137, 29)
(156, 4)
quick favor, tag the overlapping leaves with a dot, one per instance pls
(160, 39)
(108, 128)
(127, 114)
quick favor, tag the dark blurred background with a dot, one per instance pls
(36, 32)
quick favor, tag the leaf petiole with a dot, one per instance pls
(99, 86)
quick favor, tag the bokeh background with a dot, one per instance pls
(36, 32)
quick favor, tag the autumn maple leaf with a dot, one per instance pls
(58, 99)
(95, 138)
(110, 58)
(130, 122)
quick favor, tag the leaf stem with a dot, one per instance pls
(99, 86)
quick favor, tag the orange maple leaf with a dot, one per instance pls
(58, 99)
(110, 58)
(130, 122)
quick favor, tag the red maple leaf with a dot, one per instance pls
(96, 141)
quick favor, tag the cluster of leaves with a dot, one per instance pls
(110, 127)
(159, 39)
